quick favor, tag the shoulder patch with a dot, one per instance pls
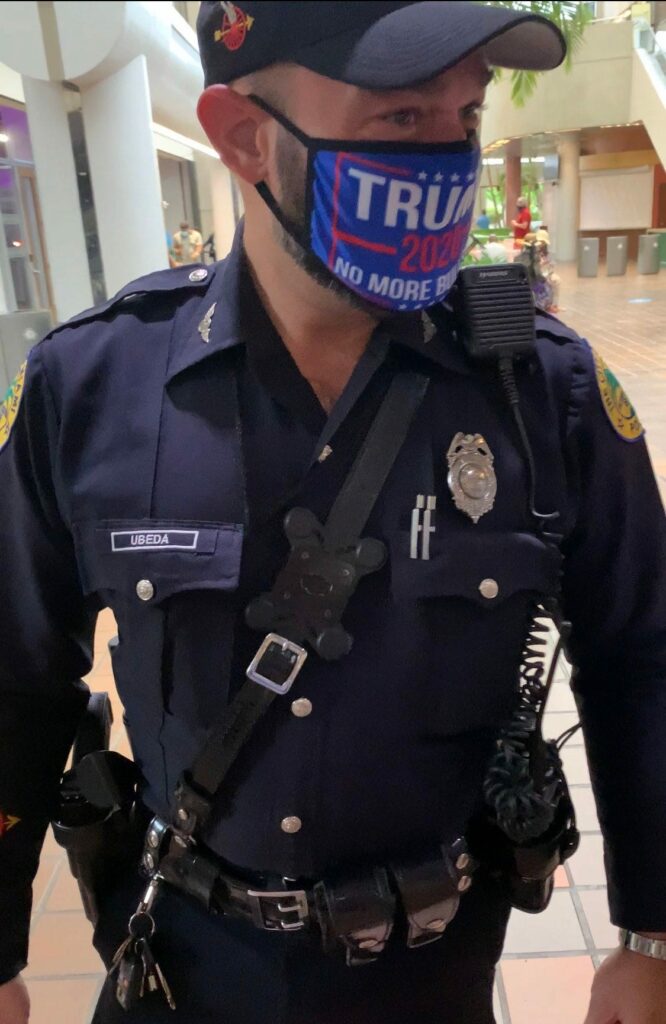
(10, 406)
(619, 409)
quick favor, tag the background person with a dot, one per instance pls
(522, 221)
(495, 250)
(187, 245)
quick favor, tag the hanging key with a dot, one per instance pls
(118, 955)
(154, 976)
(131, 978)
(168, 995)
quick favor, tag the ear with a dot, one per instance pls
(238, 131)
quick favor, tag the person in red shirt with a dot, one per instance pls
(521, 225)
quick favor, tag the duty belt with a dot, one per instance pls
(352, 911)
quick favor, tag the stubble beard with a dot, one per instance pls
(292, 171)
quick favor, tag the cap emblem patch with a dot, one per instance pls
(235, 26)
(7, 821)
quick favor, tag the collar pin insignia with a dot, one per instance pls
(429, 328)
(204, 326)
(471, 478)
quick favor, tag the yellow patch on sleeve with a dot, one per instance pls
(10, 406)
(615, 400)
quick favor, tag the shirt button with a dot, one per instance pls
(145, 591)
(199, 274)
(489, 589)
(291, 825)
(301, 707)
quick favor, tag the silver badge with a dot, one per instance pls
(204, 326)
(471, 478)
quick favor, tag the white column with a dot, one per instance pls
(223, 209)
(568, 198)
(125, 179)
(7, 305)
(58, 197)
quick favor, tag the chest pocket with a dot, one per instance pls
(171, 586)
(464, 614)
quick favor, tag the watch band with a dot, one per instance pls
(655, 948)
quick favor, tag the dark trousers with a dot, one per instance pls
(224, 971)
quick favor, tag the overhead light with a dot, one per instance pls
(4, 137)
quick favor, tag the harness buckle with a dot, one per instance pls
(271, 910)
(277, 663)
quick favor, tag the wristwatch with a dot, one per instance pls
(656, 948)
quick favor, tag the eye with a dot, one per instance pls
(473, 111)
(406, 118)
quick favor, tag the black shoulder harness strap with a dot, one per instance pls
(335, 559)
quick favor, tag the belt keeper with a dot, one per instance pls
(191, 808)
(357, 912)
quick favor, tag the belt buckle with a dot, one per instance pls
(294, 901)
(288, 649)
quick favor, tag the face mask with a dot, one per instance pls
(388, 220)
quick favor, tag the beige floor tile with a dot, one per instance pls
(556, 930)
(561, 878)
(557, 722)
(586, 811)
(575, 765)
(497, 1008)
(50, 847)
(595, 905)
(61, 944)
(66, 1001)
(65, 893)
(121, 744)
(548, 991)
(48, 866)
(587, 864)
(561, 698)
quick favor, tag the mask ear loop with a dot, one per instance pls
(281, 119)
(298, 233)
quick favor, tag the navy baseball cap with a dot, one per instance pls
(374, 45)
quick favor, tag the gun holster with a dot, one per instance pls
(94, 820)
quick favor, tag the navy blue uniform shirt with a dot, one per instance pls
(123, 467)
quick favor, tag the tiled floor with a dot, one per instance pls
(549, 959)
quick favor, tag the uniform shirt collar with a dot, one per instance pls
(221, 320)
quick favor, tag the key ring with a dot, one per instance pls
(137, 930)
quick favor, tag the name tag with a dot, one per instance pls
(154, 540)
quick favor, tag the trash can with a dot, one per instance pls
(616, 255)
(648, 254)
(19, 332)
(588, 257)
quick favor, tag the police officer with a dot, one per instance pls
(150, 450)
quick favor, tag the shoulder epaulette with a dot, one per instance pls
(549, 326)
(190, 277)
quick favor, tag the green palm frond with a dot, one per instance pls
(571, 18)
